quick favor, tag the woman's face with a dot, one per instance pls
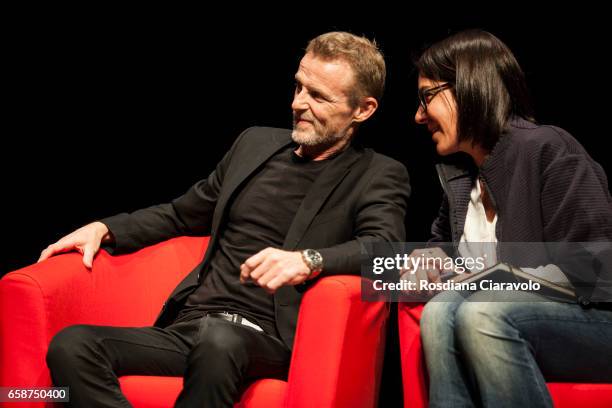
(440, 116)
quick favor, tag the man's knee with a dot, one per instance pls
(220, 344)
(68, 344)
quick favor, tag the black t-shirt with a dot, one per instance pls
(259, 217)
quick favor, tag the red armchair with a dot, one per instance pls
(337, 360)
(414, 372)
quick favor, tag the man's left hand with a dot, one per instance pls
(272, 268)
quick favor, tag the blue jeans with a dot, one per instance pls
(484, 353)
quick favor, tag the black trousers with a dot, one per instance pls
(217, 359)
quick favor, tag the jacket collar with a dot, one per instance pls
(322, 187)
(247, 165)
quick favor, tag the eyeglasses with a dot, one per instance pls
(427, 94)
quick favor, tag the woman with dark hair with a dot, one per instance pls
(508, 179)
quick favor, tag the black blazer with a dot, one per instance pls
(359, 197)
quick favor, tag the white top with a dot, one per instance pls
(479, 240)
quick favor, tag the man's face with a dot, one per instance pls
(322, 113)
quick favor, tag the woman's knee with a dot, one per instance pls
(437, 319)
(483, 325)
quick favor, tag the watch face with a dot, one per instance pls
(314, 258)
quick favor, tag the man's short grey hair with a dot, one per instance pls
(362, 55)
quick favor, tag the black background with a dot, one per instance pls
(114, 110)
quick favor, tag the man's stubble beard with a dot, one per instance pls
(316, 136)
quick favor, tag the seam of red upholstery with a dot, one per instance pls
(349, 310)
(345, 319)
(344, 284)
(323, 282)
(358, 306)
(30, 278)
(43, 299)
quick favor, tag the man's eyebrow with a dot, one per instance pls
(313, 88)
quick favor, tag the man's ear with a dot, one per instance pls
(366, 108)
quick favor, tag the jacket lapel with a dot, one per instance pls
(248, 164)
(322, 187)
(456, 181)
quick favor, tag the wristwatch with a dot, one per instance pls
(314, 262)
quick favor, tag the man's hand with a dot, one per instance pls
(86, 240)
(272, 268)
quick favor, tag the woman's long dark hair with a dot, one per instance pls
(488, 83)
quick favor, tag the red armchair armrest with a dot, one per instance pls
(338, 355)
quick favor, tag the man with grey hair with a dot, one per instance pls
(283, 209)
